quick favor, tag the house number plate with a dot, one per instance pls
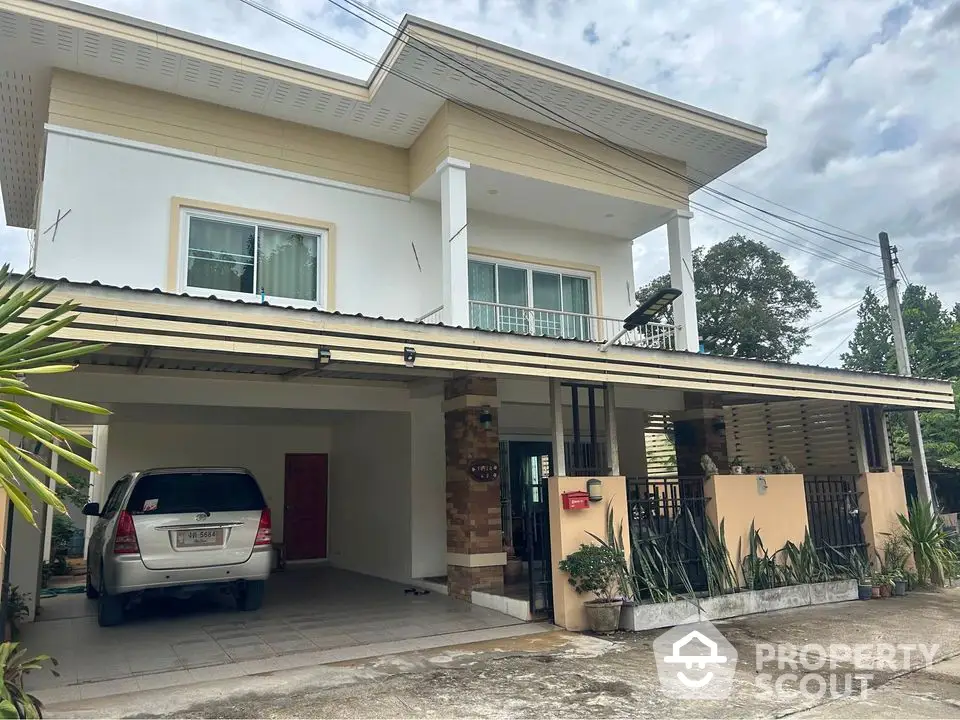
(485, 470)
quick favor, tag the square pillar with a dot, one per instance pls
(681, 278)
(475, 554)
(700, 430)
(453, 235)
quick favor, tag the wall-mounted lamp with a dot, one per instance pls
(323, 355)
(409, 354)
(594, 490)
(486, 417)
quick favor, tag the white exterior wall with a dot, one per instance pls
(370, 499)
(428, 488)
(260, 449)
(519, 237)
(118, 230)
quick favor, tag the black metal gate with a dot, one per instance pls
(539, 568)
(671, 512)
(833, 512)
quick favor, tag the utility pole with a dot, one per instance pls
(903, 366)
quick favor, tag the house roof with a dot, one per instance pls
(37, 36)
(124, 316)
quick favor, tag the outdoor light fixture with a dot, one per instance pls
(486, 417)
(646, 311)
(594, 489)
(409, 354)
(323, 355)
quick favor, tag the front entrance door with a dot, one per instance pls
(530, 466)
(305, 507)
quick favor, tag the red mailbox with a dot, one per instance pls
(576, 500)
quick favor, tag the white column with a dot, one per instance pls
(681, 278)
(98, 456)
(556, 428)
(48, 525)
(613, 442)
(453, 235)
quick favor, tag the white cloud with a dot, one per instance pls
(859, 99)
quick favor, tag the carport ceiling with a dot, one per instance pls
(215, 415)
(144, 360)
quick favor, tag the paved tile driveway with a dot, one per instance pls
(306, 609)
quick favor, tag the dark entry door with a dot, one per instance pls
(530, 466)
(305, 507)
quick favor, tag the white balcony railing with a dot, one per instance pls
(567, 325)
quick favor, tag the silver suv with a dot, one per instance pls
(179, 531)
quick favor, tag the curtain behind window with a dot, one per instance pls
(482, 282)
(220, 255)
(287, 264)
(576, 299)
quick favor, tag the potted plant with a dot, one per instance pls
(736, 465)
(598, 570)
(876, 582)
(896, 553)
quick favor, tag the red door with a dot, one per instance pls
(305, 507)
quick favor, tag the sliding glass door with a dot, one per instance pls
(511, 298)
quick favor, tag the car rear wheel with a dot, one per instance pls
(109, 607)
(251, 595)
(92, 592)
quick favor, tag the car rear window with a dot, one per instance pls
(195, 492)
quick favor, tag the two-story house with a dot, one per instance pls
(408, 278)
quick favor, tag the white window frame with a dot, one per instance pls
(530, 268)
(187, 213)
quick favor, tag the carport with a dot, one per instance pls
(312, 615)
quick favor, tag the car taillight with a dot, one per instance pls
(265, 530)
(125, 541)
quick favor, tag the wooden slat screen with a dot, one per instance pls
(661, 450)
(816, 436)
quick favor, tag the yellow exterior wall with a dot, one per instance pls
(568, 531)
(882, 498)
(135, 113)
(477, 139)
(780, 513)
(430, 149)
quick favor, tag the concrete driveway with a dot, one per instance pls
(310, 615)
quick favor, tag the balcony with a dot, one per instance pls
(563, 325)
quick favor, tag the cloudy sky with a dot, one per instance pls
(861, 99)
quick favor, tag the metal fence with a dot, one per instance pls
(672, 512)
(833, 512)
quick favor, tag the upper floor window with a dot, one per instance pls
(529, 299)
(240, 258)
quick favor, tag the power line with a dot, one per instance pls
(821, 252)
(835, 316)
(546, 111)
(837, 347)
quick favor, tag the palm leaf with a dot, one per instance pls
(27, 349)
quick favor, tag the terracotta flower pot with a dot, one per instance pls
(875, 592)
(886, 590)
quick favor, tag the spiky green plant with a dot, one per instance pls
(26, 349)
(15, 701)
(927, 537)
(720, 571)
(803, 564)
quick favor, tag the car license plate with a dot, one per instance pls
(199, 538)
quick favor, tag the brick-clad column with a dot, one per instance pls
(475, 555)
(700, 430)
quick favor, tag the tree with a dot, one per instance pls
(933, 342)
(750, 303)
(25, 350)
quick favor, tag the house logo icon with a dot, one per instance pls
(695, 662)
